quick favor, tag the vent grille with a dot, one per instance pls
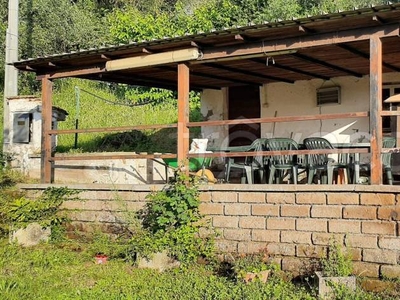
(329, 95)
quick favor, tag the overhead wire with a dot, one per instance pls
(118, 103)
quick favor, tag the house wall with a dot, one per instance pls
(214, 106)
(294, 224)
(299, 98)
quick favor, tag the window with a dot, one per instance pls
(329, 95)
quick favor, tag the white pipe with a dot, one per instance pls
(153, 59)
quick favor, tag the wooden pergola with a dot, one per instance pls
(351, 43)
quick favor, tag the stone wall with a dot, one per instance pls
(292, 223)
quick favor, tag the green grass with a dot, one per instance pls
(69, 272)
(97, 113)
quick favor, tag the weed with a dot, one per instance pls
(44, 210)
(336, 263)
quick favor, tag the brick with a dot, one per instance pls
(377, 285)
(224, 197)
(281, 198)
(205, 196)
(295, 210)
(252, 222)
(281, 223)
(237, 234)
(354, 253)
(211, 208)
(251, 247)
(252, 197)
(360, 212)
(361, 241)
(314, 225)
(364, 269)
(389, 213)
(378, 228)
(226, 246)
(296, 266)
(265, 210)
(344, 226)
(281, 249)
(127, 206)
(310, 251)
(225, 222)
(343, 198)
(326, 211)
(237, 209)
(259, 235)
(390, 272)
(311, 198)
(135, 206)
(380, 256)
(377, 199)
(325, 238)
(71, 205)
(296, 237)
(391, 243)
(93, 205)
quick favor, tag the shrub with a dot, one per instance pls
(172, 222)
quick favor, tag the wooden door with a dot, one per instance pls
(244, 103)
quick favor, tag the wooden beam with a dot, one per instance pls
(366, 56)
(290, 69)
(249, 73)
(325, 64)
(375, 102)
(280, 119)
(147, 51)
(73, 73)
(112, 129)
(47, 116)
(224, 78)
(301, 42)
(196, 44)
(390, 113)
(105, 57)
(91, 156)
(183, 114)
(378, 19)
(305, 29)
(280, 152)
(239, 37)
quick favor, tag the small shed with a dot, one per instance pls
(25, 130)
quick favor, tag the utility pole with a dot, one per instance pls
(11, 73)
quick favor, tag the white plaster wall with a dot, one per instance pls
(214, 107)
(110, 171)
(284, 99)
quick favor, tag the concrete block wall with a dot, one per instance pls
(294, 224)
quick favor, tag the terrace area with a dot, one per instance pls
(356, 51)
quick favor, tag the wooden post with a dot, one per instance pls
(183, 114)
(47, 89)
(375, 102)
